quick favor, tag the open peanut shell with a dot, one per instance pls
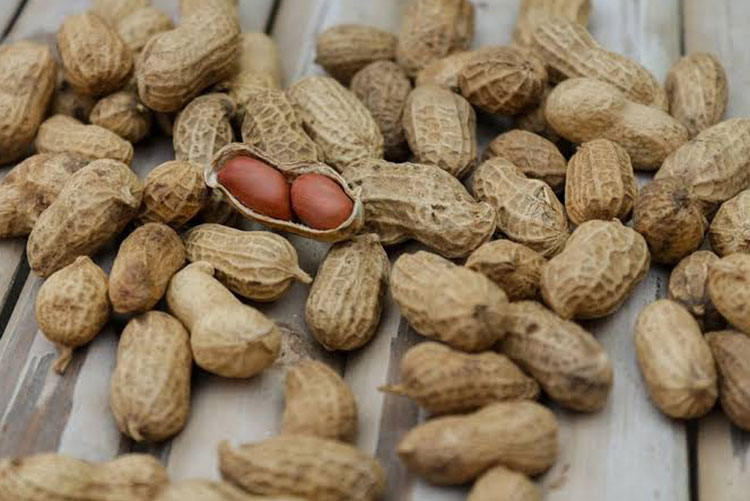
(291, 171)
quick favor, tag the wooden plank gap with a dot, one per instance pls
(13, 293)
(271, 21)
(14, 17)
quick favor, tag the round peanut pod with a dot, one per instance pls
(528, 211)
(27, 76)
(346, 299)
(441, 128)
(72, 307)
(350, 226)
(534, 12)
(534, 155)
(568, 362)
(448, 303)
(207, 490)
(30, 187)
(146, 261)
(336, 120)
(318, 403)
(729, 289)
(444, 72)
(675, 360)
(668, 215)
(66, 101)
(228, 338)
(139, 26)
(453, 450)
(123, 114)
(53, 477)
(446, 381)
(514, 267)
(688, 286)
(150, 387)
(173, 193)
(730, 228)
(64, 134)
(731, 351)
(401, 202)
(344, 49)
(95, 58)
(305, 466)
(431, 29)
(260, 56)
(258, 265)
(600, 183)
(592, 277)
(502, 484)
(93, 207)
(114, 10)
(697, 90)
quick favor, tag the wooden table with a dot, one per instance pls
(628, 451)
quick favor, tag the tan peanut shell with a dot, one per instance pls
(688, 286)
(729, 289)
(444, 72)
(441, 130)
(716, 162)
(432, 29)
(336, 120)
(27, 77)
(502, 484)
(448, 303)
(258, 265)
(535, 156)
(30, 187)
(582, 109)
(177, 65)
(241, 88)
(446, 381)
(514, 267)
(668, 215)
(96, 60)
(203, 128)
(228, 338)
(114, 10)
(600, 183)
(66, 101)
(208, 490)
(731, 351)
(94, 206)
(259, 55)
(504, 80)
(422, 202)
(568, 363)
(452, 450)
(318, 402)
(344, 49)
(145, 263)
(730, 227)
(534, 12)
(54, 477)
(528, 211)
(534, 120)
(570, 51)
(64, 134)
(345, 301)
(697, 91)
(123, 114)
(675, 360)
(189, 7)
(596, 272)
(383, 88)
(173, 193)
(137, 27)
(305, 466)
(72, 307)
(150, 387)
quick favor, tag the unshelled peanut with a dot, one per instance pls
(345, 49)
(729, 289)
(514, 267)
(140, 25)
(114, 10)
(173, 193)
(123, 114)
(207, 490)
(688, 286)
(731, 350)
(730, 227)
(534, 12)
(502, 484)
(64, 134)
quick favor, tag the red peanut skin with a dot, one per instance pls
(258, 186)
(319, 202)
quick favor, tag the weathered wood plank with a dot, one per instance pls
(7, 11)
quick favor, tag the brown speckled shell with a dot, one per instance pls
(444, 72)
(64, 134)
(514, 267)
(688, 286)
(730, 228)
(203, 128)
(345, 49)
(137, 28)
(535, 156)
(188, 7)
(173, 193)
(731, 350)
(502, 484)
(123, 114)
(729, 289)
(208, 490)
(534, 12)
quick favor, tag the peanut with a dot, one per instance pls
(601, 264)
(444, 72)
(675, 360)
(309, 467)
(207, 490)
(173, 193)
(688, 286)
(730, 228)
(534, 12)
(528, 212)
(27, 77)
(600, 183)
(533, 120)
(150, 388)
(259, 55)
(114, 10)
(449, 303)
(451, 450)
(502, 484)
(140, 25)
(422, 202)
(320, 202)
(228, 338)
(731, 350)
(257, 186)
(345, 301)
(345, 49)
(729, 289)
(441, 127)
(63, 134)
(189, 7)
(123, 114)
(257, 265)
(94, 206)
(446, 381)
(582, 109)
(72, 307)
(514, 267)
(67, 101)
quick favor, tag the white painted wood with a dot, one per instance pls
(7, 11)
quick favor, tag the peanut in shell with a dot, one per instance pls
(137, 27)
(502, 484)
(534, 12)
(123, 114)
(729, 289)
(64, 134)
(514, 267)
(209, 490)
(173, 193)
(688, 286)
(731, 350)
(344, 49)
(730, 227)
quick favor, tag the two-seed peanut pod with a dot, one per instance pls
(731, 350)
(688, 285)
(123, 114)
(534, 12)
(173, 193)
(502, 484)
(344, 49)
(730, 227)
(729, 289)
(228, 338)
(514, 267)
(209, 490)
(675, 360)
(444, 72)
(64, 134)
